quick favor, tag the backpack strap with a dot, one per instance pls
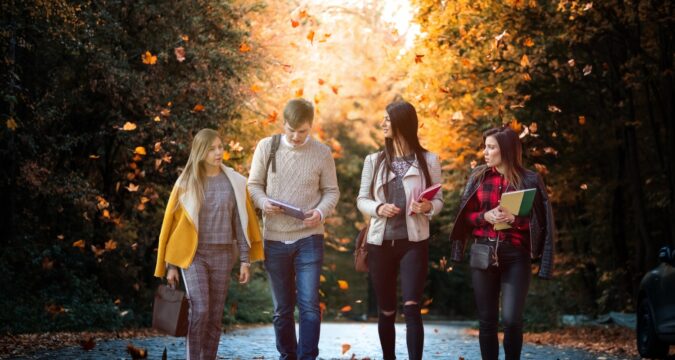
(272, 159)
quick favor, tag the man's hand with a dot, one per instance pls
(271, 209)
(314, 218)
(244, 273)
(172, 277)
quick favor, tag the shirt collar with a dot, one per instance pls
(286, 143)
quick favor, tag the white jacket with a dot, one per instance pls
(413, 184)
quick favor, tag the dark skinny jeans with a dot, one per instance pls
(385, 262)
(512, 278)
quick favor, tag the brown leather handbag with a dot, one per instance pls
(361, 251)
(170, 311)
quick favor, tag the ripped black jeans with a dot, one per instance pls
(385, 262)
(512, 279)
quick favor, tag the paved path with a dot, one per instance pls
(443, 340)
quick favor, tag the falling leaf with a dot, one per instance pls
(299, 92)
(165, 112)
(418, 58)
(226, 155)
(528, 42)
(583, 187)
(180, 53)
(294, 23)
(321, 81)
(11, 124)
(428, 301)
(346, 308)
(524, 61)
(571, 62)
(424, 311)
(244, 48)
(588, 69)
(343, 284)
(79, 243)
(157, 119)
(110, 245)
(310, 36)
(582, 120)
(345, 348)
(106, 214)
(140, 150)
(533, 127)
(60, 237)
(132, 187)
(271, 118)
(553, 108)
(129, 126)
(97, 252)
(198, 108)
(334, 89)
(148, 58)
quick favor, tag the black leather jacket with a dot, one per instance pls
(542, 227)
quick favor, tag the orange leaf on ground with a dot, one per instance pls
(310, 36)
(111, 245)
(334, 89)
(345, 348)
(11, 124)
(299, 92)
(148, 58)
(256, 88)
(244, 48)
(322, 81)
(344, 285)
(303, 14)
(528, 42)
(271, 118)
(294, 23)
(132, 187)
(79, 243)
(418, 59)
(198, 108)
(129, 126)
(140, 150)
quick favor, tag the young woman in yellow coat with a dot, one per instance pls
(209, 218)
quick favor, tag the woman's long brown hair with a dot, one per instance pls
(511, 151)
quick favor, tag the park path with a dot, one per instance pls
(443, 340)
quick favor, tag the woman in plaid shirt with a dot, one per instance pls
(529, 237)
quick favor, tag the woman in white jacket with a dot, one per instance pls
(398, 232)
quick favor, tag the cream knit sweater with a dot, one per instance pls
(305, 177)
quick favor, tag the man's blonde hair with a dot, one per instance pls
(298, 112)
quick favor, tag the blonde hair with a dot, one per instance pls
(298, 112)
(191, 180)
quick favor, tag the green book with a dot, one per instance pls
(517, 203)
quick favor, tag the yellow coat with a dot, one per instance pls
(179, 234)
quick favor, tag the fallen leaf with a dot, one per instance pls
(345, 348)
(79, 243)
(344, 285)
(588, 69)
(185, 38)
(321, 81)
(524, 61)
(136, 352)
(418, 59)
(528, 42)
(256, 88)
(148, 58)
(110, 245)
(310, 36)
(334, 89)
(582, 120)
(180, 53)
(11, 124)
(129, 126)
(140, 150)
(294, 23)
(198, 108)
(271, 118)
(303, 14)
(553, 108)
(299, 92)
(132, 187)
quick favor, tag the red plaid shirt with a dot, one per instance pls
(487, 198)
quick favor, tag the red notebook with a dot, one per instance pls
(428, 194)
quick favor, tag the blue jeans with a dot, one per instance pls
(294, 271)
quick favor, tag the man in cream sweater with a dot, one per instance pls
(300, 173)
